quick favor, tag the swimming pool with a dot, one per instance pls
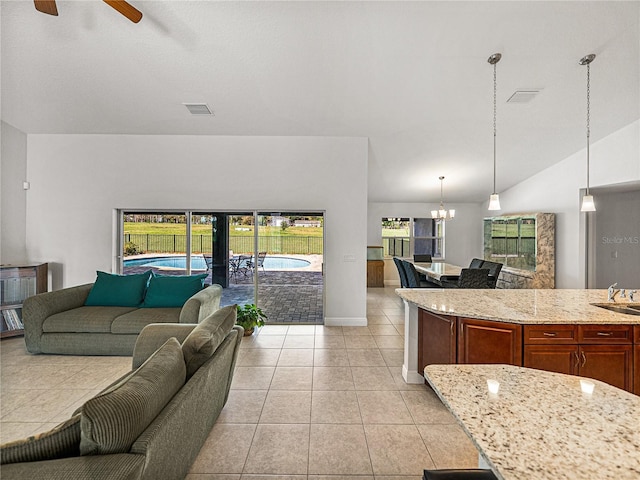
(198, 263)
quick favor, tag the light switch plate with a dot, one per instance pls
(349, 258)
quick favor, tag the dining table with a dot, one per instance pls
(533, 424)
(438, 272)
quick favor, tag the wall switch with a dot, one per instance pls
(349, 258)
(26, 185)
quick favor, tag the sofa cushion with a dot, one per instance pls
(172, 290)
(59, 442)
(118, 290)
(114, 419)
(204, 339)
(136, 320)
(84, 320)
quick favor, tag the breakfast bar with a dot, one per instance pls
(576, 332)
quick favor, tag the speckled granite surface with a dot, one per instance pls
(520, 306)
(540, 425)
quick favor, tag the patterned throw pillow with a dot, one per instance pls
(59, 442)
(112, 421)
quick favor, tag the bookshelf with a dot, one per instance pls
(18, 282)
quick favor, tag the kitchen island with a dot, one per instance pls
(541, 425)
(554, 330)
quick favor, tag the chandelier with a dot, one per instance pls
(442, 213)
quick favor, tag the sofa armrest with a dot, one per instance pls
(153, 337)
(201, 305)
(37, 308)
(123, 466)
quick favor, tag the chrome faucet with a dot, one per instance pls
(631, 295)
(612, 292)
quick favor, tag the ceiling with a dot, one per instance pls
(412, 77)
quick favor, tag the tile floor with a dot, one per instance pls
(306, 402)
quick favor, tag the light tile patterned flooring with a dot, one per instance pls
(306, 402)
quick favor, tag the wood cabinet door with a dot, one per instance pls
(552, 358)
(612, 364)
(437, 339)
(482, 341)
(636, 370)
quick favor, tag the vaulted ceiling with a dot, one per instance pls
(412, 77)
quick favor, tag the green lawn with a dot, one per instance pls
(142, 228)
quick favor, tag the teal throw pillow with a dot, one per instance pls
(172, 290)
(118, 290)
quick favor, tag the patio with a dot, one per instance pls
(285, 296)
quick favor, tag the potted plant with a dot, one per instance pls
(249, 316)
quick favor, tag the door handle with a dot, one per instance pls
(451, 329)
(604, 334)
(550, 334)
(577, 359)
(584, 359)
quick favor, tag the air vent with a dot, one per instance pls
(523, 96)
(198, 108)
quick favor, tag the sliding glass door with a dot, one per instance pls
(289, 264)
(274, 260)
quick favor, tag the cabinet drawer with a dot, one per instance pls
(550, 335)
(602, 334)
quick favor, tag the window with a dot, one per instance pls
(404, 237)
(511, 241)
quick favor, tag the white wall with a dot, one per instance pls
(617, 239)
(13, 199)
(78, 180)
(463, 234)
(614, 159)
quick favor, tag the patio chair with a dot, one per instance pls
(261, 257)
(208, 259)
(240, 264)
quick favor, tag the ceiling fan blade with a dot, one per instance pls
(126, 9)
(46, 6)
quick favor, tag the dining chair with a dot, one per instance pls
(494, 272)
(413, 277)
(476, 263)
(470, 278)
(401, 272)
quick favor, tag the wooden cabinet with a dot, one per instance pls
(610, 353)
(482, 341)
(603, 352)
(437, 336)
(636, 359)
(18, 282)
(375, 273)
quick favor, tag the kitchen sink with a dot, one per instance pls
(620, 308)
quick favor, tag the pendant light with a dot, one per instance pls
(494, 199)
(442, 213)
(587, 200)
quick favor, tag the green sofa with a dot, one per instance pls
(151, 423)
(58, 322)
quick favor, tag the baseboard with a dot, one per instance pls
(345, 322)
(411, 377)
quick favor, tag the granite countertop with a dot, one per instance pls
(540, 425)
(521, 306)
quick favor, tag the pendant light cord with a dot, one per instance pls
(494, 126)
(588, 118)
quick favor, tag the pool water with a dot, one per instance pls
(198, 262)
